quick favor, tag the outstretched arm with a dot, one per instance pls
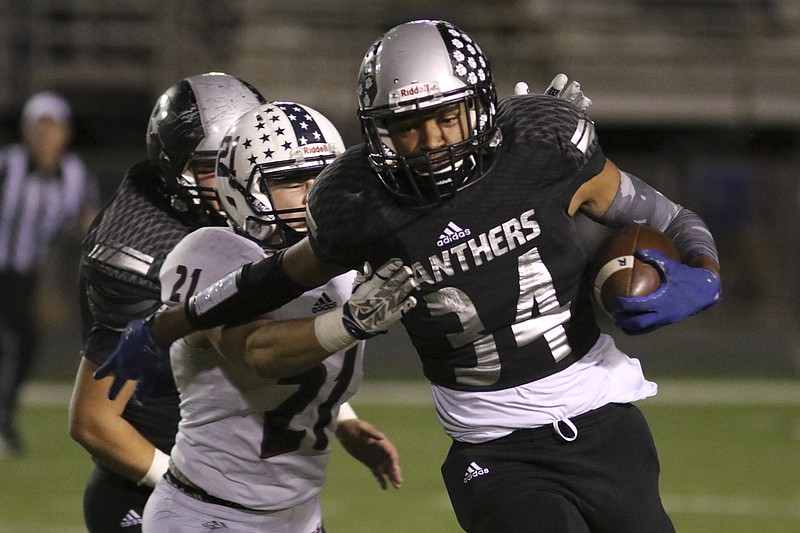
(277, 348)
(239, 297)
(287, 347)
(250, 291)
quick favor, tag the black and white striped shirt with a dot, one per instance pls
(34, 208)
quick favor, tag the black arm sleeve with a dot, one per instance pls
(243, 295)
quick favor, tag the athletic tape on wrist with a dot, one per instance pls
(346, 412)
(157, 469)
(331, 333)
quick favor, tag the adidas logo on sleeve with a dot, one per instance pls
(324, 303)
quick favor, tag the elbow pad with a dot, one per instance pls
(244, 294)
(691, 236)
(637, 202)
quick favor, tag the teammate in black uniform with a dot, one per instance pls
(479, 198)
(159, 201)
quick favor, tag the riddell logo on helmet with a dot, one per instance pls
(419, 89)
(416, 90)
(311, 149)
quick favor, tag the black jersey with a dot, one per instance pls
(503, 299)
(122, 254)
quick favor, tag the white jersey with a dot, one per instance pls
(260, 442)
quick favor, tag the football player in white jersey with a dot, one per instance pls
(253, 441)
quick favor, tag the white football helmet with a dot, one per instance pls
(420, 66)
(275, 141)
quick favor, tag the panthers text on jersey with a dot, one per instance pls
(260, 442)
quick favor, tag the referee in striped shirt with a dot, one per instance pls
(44, 188)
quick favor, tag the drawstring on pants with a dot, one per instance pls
(569, 435)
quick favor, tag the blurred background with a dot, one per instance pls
(701, 98)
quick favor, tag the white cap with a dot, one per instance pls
(46, 104)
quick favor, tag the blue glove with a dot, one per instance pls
(684, 291)
(136, 357)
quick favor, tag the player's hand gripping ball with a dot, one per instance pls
(676, 290)
(618, 273)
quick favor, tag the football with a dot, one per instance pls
(615, 271)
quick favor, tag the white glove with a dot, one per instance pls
(571, 92)
(379, 300)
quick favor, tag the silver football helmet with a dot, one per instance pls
(417, 67)
(278, 141)
(185, 129)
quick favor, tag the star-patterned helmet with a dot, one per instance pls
(418, 67)
(276, 141)
(184, 133)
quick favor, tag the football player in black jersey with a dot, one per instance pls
(479, 198)
(158, 202)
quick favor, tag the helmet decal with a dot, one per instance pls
(367, 89)
(467, 58)
(290, 134)
(305, 127)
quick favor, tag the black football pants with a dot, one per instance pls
(113, 504)
(535, 481)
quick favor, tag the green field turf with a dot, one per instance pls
(730, 464)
